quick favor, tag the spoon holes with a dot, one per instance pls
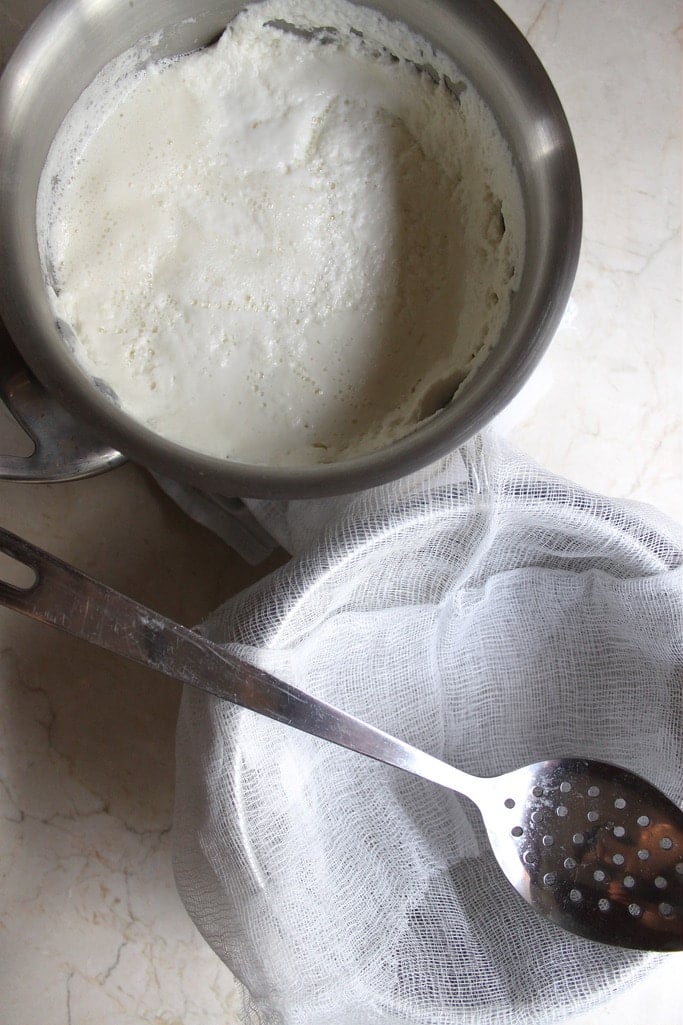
(565, 787)
(537, 791)
(593, 791)
(509, 803)
(643, 854)
(643, 820)
(635, 910)
(666, 843)
(516, 830)
(549, 878)
(569, 863)
(619, 832)
(592, 816)
(618, 859)
(578, 838)
(575, 896)
(561, 810)
(604, 904)
(629, 882)
(661, 883)
(599, 875)
(666, 910)
(620, 803)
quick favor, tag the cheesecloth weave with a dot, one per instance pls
(481, 609)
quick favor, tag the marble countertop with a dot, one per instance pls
(91, 928)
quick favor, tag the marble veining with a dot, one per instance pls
(91, 928)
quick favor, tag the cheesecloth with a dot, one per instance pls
(481, 609)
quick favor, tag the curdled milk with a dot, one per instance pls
(288, 248)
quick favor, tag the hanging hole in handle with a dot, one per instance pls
(16, 574)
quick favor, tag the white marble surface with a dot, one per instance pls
(91, 929)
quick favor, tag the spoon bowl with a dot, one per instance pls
(593, 847)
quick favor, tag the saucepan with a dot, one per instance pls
(63, 52)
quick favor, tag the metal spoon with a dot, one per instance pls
(589, 845)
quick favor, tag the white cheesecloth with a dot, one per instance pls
(488, 612)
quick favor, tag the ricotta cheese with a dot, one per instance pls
(288, 248)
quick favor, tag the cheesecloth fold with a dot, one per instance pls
(489, 613)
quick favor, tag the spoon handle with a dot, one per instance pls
(63, 597)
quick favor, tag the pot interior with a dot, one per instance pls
(65, 50)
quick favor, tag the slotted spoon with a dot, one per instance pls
(593, 847)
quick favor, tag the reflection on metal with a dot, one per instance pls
(62, 447)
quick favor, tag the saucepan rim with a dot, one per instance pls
(552, 197)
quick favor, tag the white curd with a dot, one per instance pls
(287, 248)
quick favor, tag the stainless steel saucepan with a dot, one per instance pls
(65, 49)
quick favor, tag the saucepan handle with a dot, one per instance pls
(66, 449)
(63, 448)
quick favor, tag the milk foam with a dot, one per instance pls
(290, 247)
